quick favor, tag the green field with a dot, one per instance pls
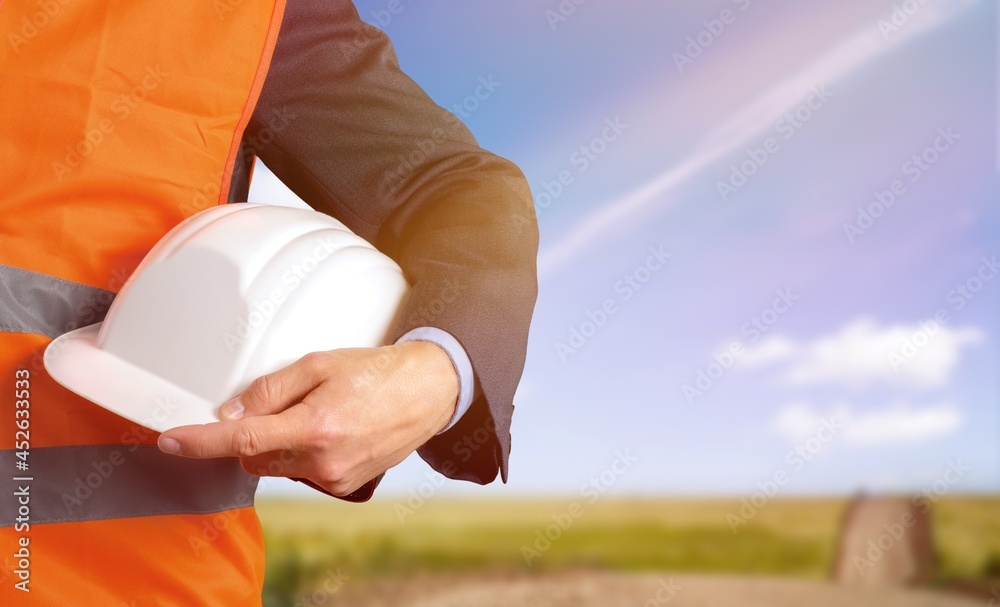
(787, 537)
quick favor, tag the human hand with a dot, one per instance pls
(337, 418)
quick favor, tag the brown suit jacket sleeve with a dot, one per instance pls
(353, 136)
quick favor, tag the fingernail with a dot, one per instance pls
(232, 410)
(169, 445)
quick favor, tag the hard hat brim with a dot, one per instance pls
(75, 361)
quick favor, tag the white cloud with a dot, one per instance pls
(896, 423)
(773, 349)
(922, 355)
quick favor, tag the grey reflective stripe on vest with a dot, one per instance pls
(93, 482)
(45, 305)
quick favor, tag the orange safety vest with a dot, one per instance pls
(117, 120)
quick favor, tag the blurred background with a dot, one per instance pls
(765, 345)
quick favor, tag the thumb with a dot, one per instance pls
(275, 392)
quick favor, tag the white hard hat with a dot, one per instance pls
(231, 293)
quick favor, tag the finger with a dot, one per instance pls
(240, 438)
(303, 468)
(275, 392)
(275, 463)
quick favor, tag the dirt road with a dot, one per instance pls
(885, 541)
(586, 589)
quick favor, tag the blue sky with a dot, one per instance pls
(817, 108)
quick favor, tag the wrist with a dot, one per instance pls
(436, 381)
